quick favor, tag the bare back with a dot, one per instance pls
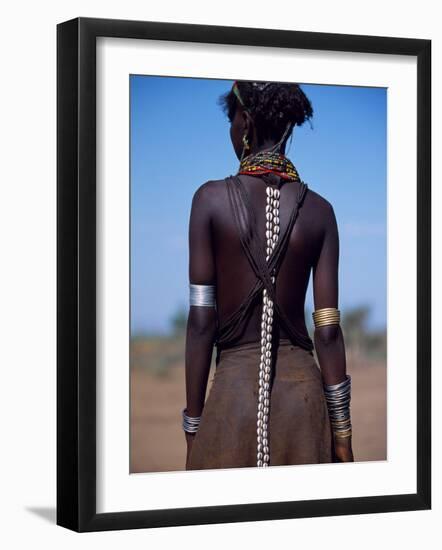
(218, 256)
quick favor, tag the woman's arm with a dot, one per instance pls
(329, 341)
(201, 323)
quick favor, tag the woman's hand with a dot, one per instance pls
(189, 441)
(343, 450)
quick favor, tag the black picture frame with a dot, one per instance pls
(76, 273)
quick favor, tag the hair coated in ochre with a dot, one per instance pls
(272, 105)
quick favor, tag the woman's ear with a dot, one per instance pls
(245, 123)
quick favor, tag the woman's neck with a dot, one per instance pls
(268, 144)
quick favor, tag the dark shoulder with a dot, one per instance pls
(320, 206)
(318, 201)
(209, 192)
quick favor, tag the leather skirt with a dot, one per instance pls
(299, 428)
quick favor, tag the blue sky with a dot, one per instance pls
(180, 139)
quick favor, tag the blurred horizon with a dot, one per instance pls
(180, 139)
(157, 375)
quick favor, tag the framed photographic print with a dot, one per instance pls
(243, 274)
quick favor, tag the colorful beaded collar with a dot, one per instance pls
(266, 162)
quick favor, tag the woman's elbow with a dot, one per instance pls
(328, 335)
(202, 325)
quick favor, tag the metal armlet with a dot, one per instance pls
(326, 316)
(202, 295)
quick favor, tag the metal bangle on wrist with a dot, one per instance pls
(190, 423)
(338, 398)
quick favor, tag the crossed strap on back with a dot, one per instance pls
(246, 221)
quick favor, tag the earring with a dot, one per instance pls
(246, 146)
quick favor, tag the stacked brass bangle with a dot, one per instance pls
(326, 316)
(338, 404)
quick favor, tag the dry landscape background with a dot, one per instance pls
(158, 394)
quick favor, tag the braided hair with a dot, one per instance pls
(272, 105)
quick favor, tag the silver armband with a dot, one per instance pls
(202, 295)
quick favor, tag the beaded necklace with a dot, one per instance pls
(266, 162)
